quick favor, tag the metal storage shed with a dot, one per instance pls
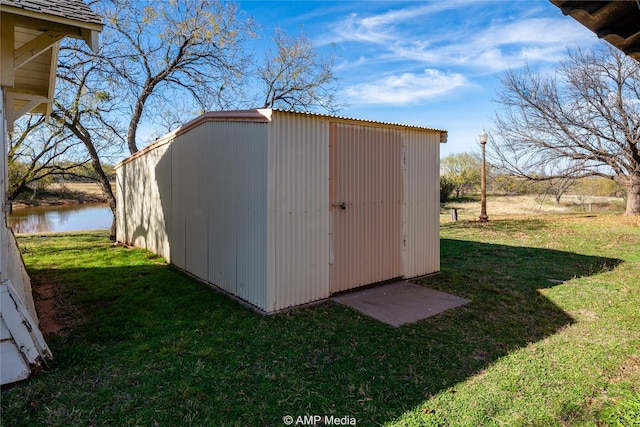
(282, 208)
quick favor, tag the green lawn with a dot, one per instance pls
(150, 346)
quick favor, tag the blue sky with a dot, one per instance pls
(427, 63)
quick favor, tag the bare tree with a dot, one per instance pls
(193, 45)
(559, 186)
(84, 107)
(39, 154)
(146, 51)
(295, 76)
(584, 120)
(157, 60)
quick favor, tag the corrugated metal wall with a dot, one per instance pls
(197, 191)
(121, 215)
(178, 203)
(245, 205)
(366, 177)
(144, 202)
(421, 207)
(220, 169)
(298, 213)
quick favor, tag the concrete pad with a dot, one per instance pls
(400, 302)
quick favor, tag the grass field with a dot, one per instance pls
(80, 187)
(551, 337)
(62, 193)
(499, 205)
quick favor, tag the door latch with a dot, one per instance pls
(341, 205)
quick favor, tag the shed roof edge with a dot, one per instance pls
(257, 115)
(260, 115)
(353, 119)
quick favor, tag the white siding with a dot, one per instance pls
(17, 273)
(19, 333)
(12, 365)
(421, 202)
(11, 262)
(298, 210)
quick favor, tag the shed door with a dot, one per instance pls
(366, 204)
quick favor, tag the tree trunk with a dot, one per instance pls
(81, 133)
(20, 187)
(633, 195)
(105, 185)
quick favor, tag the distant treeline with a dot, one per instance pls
(592, 186)
(24, 177)
(511, 185)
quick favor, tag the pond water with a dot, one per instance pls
(45, 219)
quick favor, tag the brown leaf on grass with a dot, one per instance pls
(479, 355)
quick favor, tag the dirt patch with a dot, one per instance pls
(55, 315)
(630, 371)
(44, 298)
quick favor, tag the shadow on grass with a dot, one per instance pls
(157, 346)
(501, 225)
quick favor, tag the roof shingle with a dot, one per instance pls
(75, 10)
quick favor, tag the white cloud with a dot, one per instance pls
(406, 88)
(398, 36)
(381, 28)
(499, 47)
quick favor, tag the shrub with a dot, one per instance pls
(446, 188)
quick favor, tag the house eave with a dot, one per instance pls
(617, 22)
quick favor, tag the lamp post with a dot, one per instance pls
(483, 180)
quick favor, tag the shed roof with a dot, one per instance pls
(262, 115)
(352, 119)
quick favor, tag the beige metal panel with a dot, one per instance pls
(127, 203)
(222, 239)
(144, 202)
(178, 200)
(225, 206)
(246, 204)
(421, 231)
(196, 191)
(366, 199)
(250, 210)
(252, 116)
(298, 212)
(160, 201)
(121, 190)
